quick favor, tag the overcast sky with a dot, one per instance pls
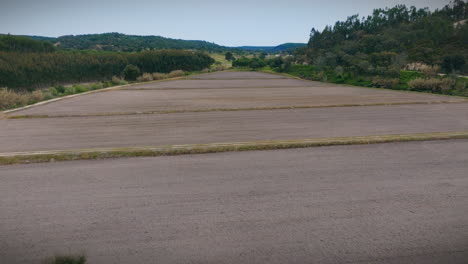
(230, 23)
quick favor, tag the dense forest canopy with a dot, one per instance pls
(38, 69)
(392, 37)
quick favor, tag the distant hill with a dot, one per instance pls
(122, 42)
(23, 44)
(274, 49)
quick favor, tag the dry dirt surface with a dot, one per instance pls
(240, 91)
(383, 204)
(233, 126)
(236, 75)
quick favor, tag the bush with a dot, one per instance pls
(424, 68)
(159, 76)
(69, 90)
(220, 68)
(60, 89)
(36, 96)
(228, 56)
(176, 73)
(115, 81)
(385, 82)
(433, 84)
(431, 70)
(47, 95)
(131, 72)
(80, 88)
(10, 99)
(146, 77)
(95, 86)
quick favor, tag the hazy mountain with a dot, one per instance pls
(273, 49)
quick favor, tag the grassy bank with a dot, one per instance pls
(404, 80)
(426, 79)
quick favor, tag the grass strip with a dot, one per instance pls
(103, 153)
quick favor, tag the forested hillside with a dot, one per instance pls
(391, 38)
(128, 43)
(401, 48)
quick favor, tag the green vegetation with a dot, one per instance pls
(395, 48)
(386, 41)
(11, 99)
(23, 44)
(131, 72)
(19, 70)
(128, 43)
(229, 56)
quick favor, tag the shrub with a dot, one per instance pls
(228, 56)
(80, 88)
(146, 77)
(461, 85)
(10, 99)
(36, 96)
(115, 81)
(47, 95)
(60, 89)
(69, 90)
(385, 82)
(432, 84)
(206, 70)
(53, 91)
(159, 76)
(431, 70)
(95, 86)
(176, 73)
(219, 68)
(131, 72)
(447, 84)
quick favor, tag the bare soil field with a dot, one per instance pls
(236, 75)
(192, 95)
(384, 204)
(233, 126)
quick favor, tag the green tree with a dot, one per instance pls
(229, 56)
(131, 72)
(453, 63)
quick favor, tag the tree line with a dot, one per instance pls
(20, 70)
(129, 43)
(387, 40)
